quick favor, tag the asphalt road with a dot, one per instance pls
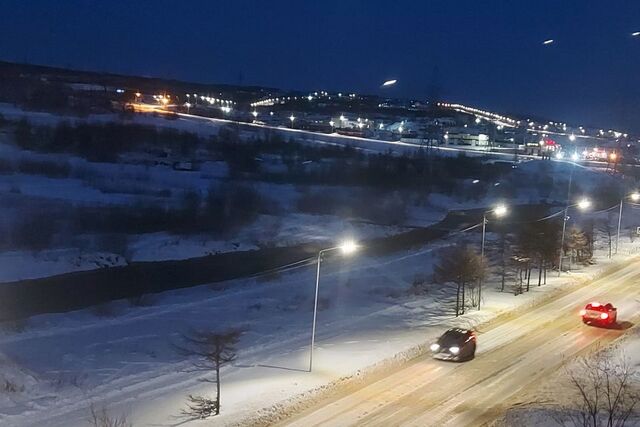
(513, 354)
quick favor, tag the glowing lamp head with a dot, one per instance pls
(348, 247)
(500, 210)
(635, 196)
(584, 204)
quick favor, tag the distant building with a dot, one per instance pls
(467, 136)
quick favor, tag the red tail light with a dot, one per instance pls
(604, 315)
(583, 312)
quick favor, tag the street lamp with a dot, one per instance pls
(347, 247)
(332, 124)
(583, 204)
(292, 118)
(635, 196)
(499, 211)
(255, 114)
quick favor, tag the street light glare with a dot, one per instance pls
(348, 247)
(500, 210)
(549, 41)
(635, 196)
(389, 82)
(584, 204)
(635, 34)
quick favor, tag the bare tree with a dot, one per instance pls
(577, 245)
(462, 266)
(101, 418)
(606, 396)
(211, 351)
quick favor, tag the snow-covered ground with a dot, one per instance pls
(121, 355)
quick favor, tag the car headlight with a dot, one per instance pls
(454, 350)
(435, 347)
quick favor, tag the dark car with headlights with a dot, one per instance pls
(458, 345)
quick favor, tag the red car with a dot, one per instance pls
(599, 314)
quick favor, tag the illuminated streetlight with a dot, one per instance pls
(635, 34)
(255, 113)
(582, 204)
(347, 247)
(572, 137)
(499, 211)
(292, 118)
(635, 196)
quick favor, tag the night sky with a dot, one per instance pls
(483, 53)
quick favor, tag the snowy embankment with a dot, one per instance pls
(122, 357)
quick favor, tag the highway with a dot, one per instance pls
(370, 145)
(514, 354)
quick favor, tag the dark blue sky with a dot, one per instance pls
(487, 53)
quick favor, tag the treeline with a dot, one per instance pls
(99, 142)
(219, 212)
(519, 259)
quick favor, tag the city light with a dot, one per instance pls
(575, 157)
(389, 82)
(635, 34)
(547, 42)
(292, 118)
(255, 113)
(572, 137)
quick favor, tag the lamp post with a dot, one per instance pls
(498, 211)
(292, 118)
(348, 247)
(582, 205)
(634, 197)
